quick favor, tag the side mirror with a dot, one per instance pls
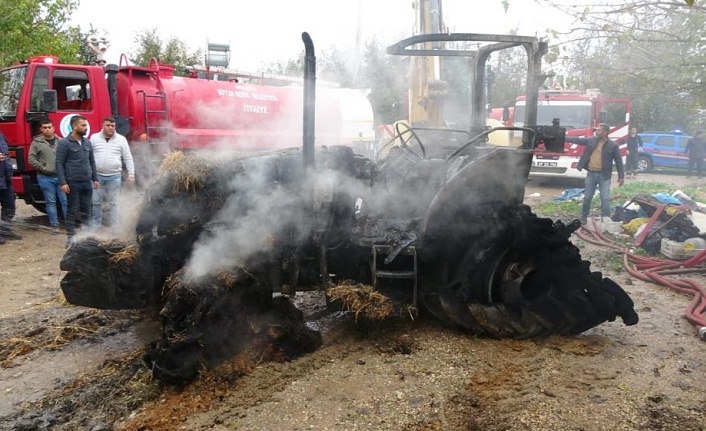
(49, 101)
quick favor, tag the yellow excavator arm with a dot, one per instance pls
(427, 90)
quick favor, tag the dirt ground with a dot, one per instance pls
(70, 368)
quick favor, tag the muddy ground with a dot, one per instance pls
(70, 368)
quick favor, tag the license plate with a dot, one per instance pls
(545, 164)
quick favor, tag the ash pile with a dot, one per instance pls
(216, 237)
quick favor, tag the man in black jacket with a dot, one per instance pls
(76, 168)
(696, 149)
(597, 159)
(634, 145)
(7, 193)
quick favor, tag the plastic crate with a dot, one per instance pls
(676, 250)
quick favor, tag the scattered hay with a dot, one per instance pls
(127, 254)
(223, 281)
(44, 338)
(362, 300)
(14, 347)
(227, 279)
(173, 282)
(187, 173)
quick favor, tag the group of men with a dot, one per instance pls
(77, 173)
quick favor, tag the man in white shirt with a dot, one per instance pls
(111, 152)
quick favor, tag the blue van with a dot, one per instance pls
(662, 149)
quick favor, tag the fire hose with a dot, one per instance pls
(664, 272)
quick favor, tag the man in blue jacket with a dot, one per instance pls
(598, 158)
(7, 193)
(76, 169)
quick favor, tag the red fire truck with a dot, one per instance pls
(579, 113)
(158, 111)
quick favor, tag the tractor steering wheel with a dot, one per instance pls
(414, 136)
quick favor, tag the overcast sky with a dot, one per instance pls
(264, 31)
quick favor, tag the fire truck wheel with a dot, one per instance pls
(528, 280)
(40, 207)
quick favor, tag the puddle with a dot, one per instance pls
(41, 371)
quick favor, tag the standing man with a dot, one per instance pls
(42, 157)
(76, 168)
(634, 145)
(7, 193)
(597, 159)
(696, 149)
(111, 151)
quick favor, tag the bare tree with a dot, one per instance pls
(650, 51)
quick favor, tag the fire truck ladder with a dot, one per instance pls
(380, 252)
(156, 128)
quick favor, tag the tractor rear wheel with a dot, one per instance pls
(526, 279)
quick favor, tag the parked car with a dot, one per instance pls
(663, 149)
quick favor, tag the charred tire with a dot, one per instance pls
(526, 279)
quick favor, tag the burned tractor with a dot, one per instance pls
(436, 224)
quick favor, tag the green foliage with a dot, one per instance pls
(633, 188)
(37, 27)
(696, 193)
(565, 209)
(331, 65)
(174, 51)
(386, 76)
(292, 67)
(509, 76)
(650, 52)
(618, 196)
(613, 262)
(85, 54)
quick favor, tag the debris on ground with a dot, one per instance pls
(661, 224)
(650, 219)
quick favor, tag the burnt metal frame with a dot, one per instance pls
(533, 46)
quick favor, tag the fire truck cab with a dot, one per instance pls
(43, 88)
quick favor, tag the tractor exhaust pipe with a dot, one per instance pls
(309, 100)
(111, 71)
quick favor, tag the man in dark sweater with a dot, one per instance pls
(597, 159)
(76, 169)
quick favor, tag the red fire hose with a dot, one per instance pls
(664, 272)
